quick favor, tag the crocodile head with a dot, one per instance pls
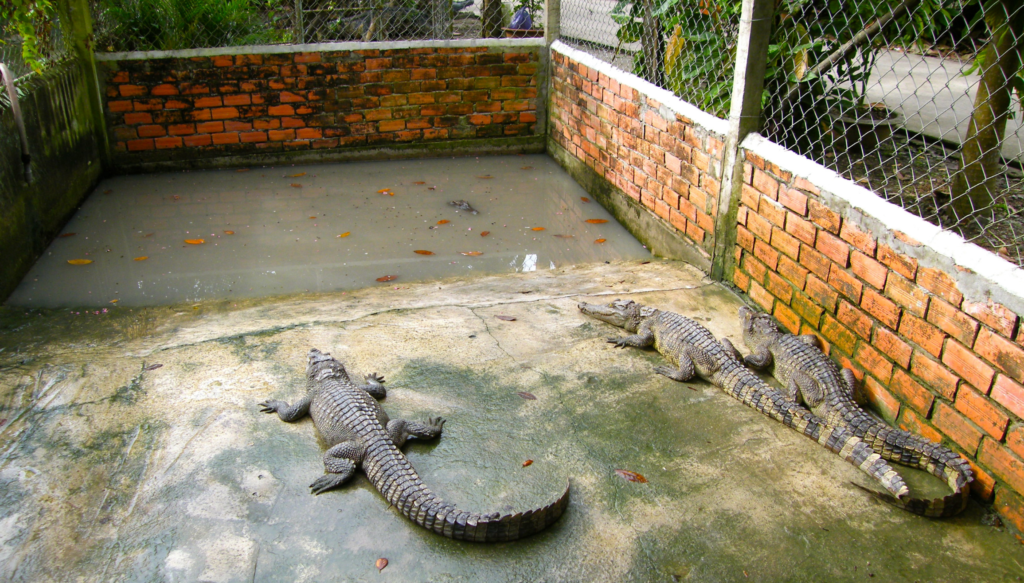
(622, 313)
(322, 366)
(757, 327)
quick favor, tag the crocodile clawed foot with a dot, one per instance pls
(268, 407)
(374, 378)
(618, 342)
(436, 422)
(326, 482)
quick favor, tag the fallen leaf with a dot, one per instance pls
(1003, 252)
(153, 367)
(108, 191)
(472, 253)
(484, 233)
(443, 222)
(600, 240)
(242, 170)
(345, 234)
(381, 563)
(296, 185)
(143, 258)
(423, 252)
(384, 191)
(537, 229)
(64, 235)
(79, 261)
(527, 168)
(485, 177)
(388, 278)
(176, 197)
(631, 476)
(431, 188)
(596, 221)
(564, 236)
(527, 462)
(195, 241)
(114, 301)
(313, 217)
(527, 396)
(506, 318)
(644, 262)
(297, 175)
(229, 232)
(584, 199)
(419, 182)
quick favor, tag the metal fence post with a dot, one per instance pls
(76, 20)
(552, 20)
(744, 118)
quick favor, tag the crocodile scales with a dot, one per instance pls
(695, 351)
(810, 376)
(359, 434)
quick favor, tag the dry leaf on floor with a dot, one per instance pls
(584, 199)
(195, 241)
(345, 234)
(388, 278)
(313, 217)
(423, 252)
(506, 318)
(631, 476)
(600, 240)
(527, 462)
(419, 182)
(114, 301)
(143, 258)
(79, 261)
(380, 564)
(537, 229)
(229, 232)
(485, 177)
(527, 396)
(64, 235)
(484, 233)
(596, 221)
(472, 253)
(242, 170)
(443, 222)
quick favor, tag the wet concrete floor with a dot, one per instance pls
(318, 228)
(112, 469)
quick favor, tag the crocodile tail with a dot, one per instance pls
(950, 505)
(395, 478)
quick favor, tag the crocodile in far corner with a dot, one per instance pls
(359, 434)
(695, 351)
(810, 376)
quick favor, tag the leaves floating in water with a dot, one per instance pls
(143, 258)
(584, 199)
(345, 234)
(484, 233)
(296, 185)
(597, 221)
(600, 240)
(64, 235)
(381, 563)
(386, 191)
(388, 278)
(419, 182)
(242, 170)
(485, 177)
(564, 236)
(153, 367)
(79, 261)
(229, 232)
(114, 301)
(506, 318)
(527, 462)
(631, 476)
(527, 396)
(527, 168)
(537, 229)
(443, 222)
(431, 188)
(472, 253)
(423, 252)
(313, 217)
(108, 191)
(297, 175)
(195, 241)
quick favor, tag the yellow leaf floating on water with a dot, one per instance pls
(229, 232)
(195, 241)
(631, 476)
(143, 258)
(296, 185)
(297, 175)
(423, 252)
(114, 301)
(443, 222)
(537, 229)
(313, 217)
(65, 235)
(419, 182)
(472, 253)
(345, 234)
(485, 177)
(596, 221)
(600, 240)
(484, 233)
(79, 261)
(388, 278)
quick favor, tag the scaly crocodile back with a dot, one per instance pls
(673, 331)
(790, 354)
(339, 404)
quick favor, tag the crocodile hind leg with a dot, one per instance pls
(287, 413)
(400, 430)
(802, 386)
(693, 360)
(340, 462)
(375, 386)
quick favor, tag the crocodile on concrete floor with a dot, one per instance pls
(359, 434)
(810, 376)
(695, 351)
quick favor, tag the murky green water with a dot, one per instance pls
(275, 230)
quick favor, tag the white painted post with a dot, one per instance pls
(552, 21)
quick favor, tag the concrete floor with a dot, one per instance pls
(110, 472)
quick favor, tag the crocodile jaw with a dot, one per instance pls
(617, 313)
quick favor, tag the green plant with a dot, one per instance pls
(32, 20)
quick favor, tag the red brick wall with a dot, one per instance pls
(668, 164)
(929, 359)
(194, 107)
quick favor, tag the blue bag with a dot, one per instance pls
(521, 20)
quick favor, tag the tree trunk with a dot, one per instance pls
(653, 45)
(975, 183)
(490, 14)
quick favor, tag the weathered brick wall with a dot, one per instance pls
(933, 354)
(623, 130)
(193, 107)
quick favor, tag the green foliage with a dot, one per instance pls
(138, 25)
(32, 20)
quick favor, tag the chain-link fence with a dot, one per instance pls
(47, 38)
(134, 25)
(918, 100)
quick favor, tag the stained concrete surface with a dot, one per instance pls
(113, 470)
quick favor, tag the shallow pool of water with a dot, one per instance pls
(284, 229)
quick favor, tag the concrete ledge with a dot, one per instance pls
(319, 47)
(657, 235)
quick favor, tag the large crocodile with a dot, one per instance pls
(359, 434)
(695, 351)
(810, 376)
